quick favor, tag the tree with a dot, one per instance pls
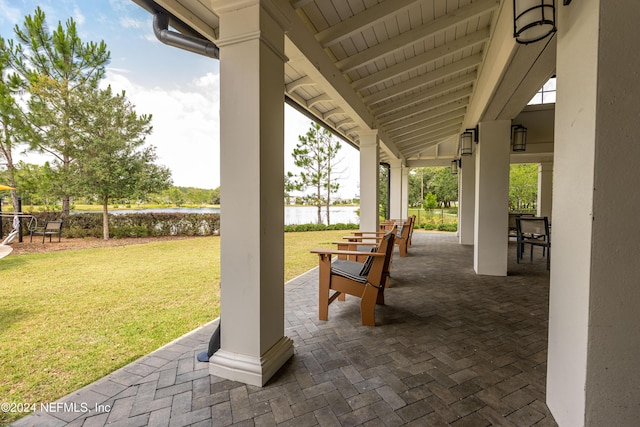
(523, 186)
(36, 184)
(383, 190)
(112, 160)
(444, 185)
(315, 154)
(11, 120)
(57, 69)
(430, 201)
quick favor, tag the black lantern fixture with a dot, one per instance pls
(519, 138)
(533, 20)
(467, 138)
(456, 164)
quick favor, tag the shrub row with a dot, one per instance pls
(128, 225)
(440, 227)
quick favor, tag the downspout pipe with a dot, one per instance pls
(172, 38)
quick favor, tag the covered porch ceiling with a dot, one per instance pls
(418, 71)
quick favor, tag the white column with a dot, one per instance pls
(467, 200)
(594, 317)
(396, 188)
(492, 199)
(545, 189)
(404, 210)
(369, 161)
(253, 345)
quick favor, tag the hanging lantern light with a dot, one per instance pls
(533, 20)
(455, 166)
(467, 138)
(519, 138)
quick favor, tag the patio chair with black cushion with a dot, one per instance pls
(533, 231)
(363, 280)
(51, 228)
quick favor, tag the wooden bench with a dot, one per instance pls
(403, 239)
(51, 228)
(363, 280)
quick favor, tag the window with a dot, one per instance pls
(547, 94)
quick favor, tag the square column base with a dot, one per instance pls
(249, 369)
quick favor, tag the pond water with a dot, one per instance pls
(292, 214)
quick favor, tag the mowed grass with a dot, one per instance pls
(69, 318)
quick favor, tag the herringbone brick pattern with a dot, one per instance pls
(450, 348)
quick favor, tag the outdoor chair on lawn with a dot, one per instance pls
(51, 228)
(363, 280)
(533, 231)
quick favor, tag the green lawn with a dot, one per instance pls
(69, 318)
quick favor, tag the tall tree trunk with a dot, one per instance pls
(319, 202)
(105, 218)
(329, 192)
(66, 205)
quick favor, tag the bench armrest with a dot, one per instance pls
(340, 252)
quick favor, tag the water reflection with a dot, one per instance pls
(292, 214)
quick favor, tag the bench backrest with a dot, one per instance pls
(380, 267)
(53, 226)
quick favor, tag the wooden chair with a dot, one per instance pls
(51, 228)
(533, 231)
(363, 280)
(360, 251)
(402, 239)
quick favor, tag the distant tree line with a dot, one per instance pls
(51, 103)
(36, 187)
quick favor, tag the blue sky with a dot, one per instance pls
(180, 89)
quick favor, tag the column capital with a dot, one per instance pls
(248, 20)
(368, 138)
(272, 7)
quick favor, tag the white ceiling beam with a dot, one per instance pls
(319, 67)
(426, 106)
(428, 29)
(427, 115)
(426, 145)
(318, 115)
(365, 19)
(455, 114)
(326, 116)
(436, 132)
(424, 95)
(297, 4)
(343, 122)
(421, 60)
(302, 81)
(318, 99)
(425, 79)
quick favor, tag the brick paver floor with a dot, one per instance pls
(450, 348)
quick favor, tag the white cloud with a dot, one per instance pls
(78, 16)
(185, 128)
(10, 14)
(128, 22)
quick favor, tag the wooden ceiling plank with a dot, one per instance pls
(357, 23)
(422, 59)
(409, 37)
(457, 113)
(427, 115)
(448, 125)
(408, 85)
(424, 95)
(419, 141)
(426, 106)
